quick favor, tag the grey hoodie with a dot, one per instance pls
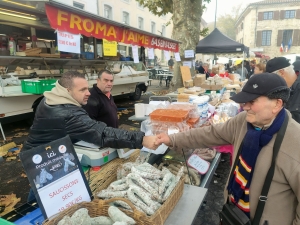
(59, 95)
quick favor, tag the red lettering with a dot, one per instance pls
(66, 196)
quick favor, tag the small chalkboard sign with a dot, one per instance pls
(56, 176)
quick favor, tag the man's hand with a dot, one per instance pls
(163, 139)
(150, 142)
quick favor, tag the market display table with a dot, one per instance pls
(187, 208)
(160, 74)
(167, 76)
(174, 95)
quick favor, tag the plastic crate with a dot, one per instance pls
(88, 55)
(5, 222)
(37, 86)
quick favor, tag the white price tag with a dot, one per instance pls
(187, 63)
(189, 54)
(150, 53)
(177, 56)
(135, 54)
(68, 42)
(198, 163)
(167, 55)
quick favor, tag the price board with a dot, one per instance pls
(198, 163)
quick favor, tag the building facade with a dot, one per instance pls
(270, 28)
(128, 12)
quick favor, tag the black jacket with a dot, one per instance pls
(293, 104)
(101, 108)
(202, 71)
(52, 122)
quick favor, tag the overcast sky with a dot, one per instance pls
(224, 6)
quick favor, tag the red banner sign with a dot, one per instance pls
(63, 20)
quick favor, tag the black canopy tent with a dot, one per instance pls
(217, 42)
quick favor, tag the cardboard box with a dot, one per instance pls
(199, 79)
(211, 87)
(183, 98)
(188, 83)
(216, 87)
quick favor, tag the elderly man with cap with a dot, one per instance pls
(296, 65)
(253, 133)
(282, 67)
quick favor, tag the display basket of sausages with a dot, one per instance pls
(83, 213)
(159, 217)
(161, 214)
(99, 180)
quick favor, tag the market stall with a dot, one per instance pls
(34, 67)
(46, 42)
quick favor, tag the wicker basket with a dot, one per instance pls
(160, 216)
(99, 180)
(95, 208)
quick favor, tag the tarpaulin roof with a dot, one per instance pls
(217, 42)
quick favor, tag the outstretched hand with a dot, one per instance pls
(150, 142)
(163, 139)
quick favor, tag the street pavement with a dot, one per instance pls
(13, 181)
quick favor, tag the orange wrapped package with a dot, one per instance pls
(169, 115)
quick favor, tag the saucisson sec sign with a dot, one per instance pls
(55, 176)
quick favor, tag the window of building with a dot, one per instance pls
(266, 37)
(268, 15)
(126, 0)
(140, 6)
(290, 14)
(153, 27)
(78, 5)
(126, 18)
(163, 30)
(287, 36)
(140, 23)
(108, 12)
(242, 26)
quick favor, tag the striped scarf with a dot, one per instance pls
(253, 142)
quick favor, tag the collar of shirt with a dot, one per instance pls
(108, 95)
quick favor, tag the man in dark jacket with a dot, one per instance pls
(204, 70)
(60, 113)
(282, 67)
(101, 105)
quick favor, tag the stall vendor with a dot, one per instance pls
(101, 105)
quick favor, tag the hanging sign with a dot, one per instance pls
(110, 48)
(187, 63)
(135, 53)
(167, 55)
(189, 54)
(68, 42)
(150, 53)
(55, 176)
(177, 56)
(198, 163)
(64, 20)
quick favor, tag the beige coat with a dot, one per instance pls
(282, 206)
